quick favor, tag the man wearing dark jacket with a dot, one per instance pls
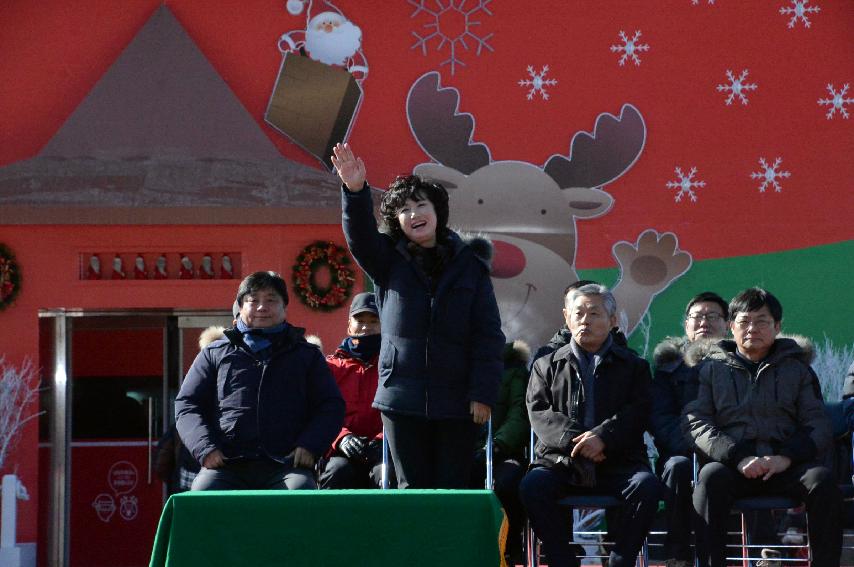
(588, 404)
(356, 454)
(761, 429)
(675, 385)
(259, 406)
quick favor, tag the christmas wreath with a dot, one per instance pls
(10, 277)
(313, 259)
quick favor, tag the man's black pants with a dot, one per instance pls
(719, 485)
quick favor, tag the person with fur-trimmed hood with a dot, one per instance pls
(510, 437)
(440, 355)
(674, 385)
(760, 428)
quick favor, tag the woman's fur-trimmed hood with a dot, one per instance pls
(480, 244)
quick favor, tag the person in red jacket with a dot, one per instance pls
(355, 459)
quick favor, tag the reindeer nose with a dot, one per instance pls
(508, 260)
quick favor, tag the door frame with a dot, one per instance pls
(59, 412)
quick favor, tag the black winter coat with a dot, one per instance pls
(674, 386)
(441, 350)
(555, 401)
(232, 401)
(777, 412)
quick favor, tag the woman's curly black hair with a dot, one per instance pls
(418, 189)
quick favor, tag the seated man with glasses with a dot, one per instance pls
(674, 385)
(760, 428)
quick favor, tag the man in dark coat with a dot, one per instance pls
(259, 406)
(588, 404)
(675, 385)
(761, 429)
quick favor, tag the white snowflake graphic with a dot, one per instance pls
(770, 175)
(686, 184)
(455, 16)
(537, 82)
(737, 87)
(837, 101)
(696, 2)
(799, 10)
(630, 47)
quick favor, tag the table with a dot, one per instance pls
(331, 528)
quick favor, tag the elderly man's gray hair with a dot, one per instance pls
(593, 289)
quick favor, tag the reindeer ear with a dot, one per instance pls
(449, 178)
(587, 203)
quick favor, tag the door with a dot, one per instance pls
(122, 373)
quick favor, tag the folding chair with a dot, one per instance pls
(589, 501)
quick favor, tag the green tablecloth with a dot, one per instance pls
(331, 528)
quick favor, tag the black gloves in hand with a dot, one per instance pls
(352, 447)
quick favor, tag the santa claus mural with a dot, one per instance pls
(319, 88)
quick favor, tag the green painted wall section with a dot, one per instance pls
(815, 286)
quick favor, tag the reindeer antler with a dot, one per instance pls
(442, 132)
(599, 158)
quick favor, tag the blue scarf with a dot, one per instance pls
(588, 362)
(256, 339)
(363, 348)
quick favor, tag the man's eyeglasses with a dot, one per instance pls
(760, 324)
(710, 317)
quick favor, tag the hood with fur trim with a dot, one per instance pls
(670, 351)
(481, 245)
(795, 346)
(516, 353)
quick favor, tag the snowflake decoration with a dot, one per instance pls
(453, 10)
(630, 47)
(770, 175)
(697, 2)
(537, 82)
(686, 184)
(799, 9)
(737, 87)
(837, 101)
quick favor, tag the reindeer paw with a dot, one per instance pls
(653, 262)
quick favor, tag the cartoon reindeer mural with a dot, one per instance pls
(529, 211)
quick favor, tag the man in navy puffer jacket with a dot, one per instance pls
(260, 405)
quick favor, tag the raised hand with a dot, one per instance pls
(350, 169)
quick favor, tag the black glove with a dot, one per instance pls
(352, 447)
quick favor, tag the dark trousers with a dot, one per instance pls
(342, 473)
(542, 487)
(718, 485)
(255, 475)
(430, 453)
(676, 474)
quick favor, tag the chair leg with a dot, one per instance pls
(644, 558)
(530, 547)
(744, 549)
